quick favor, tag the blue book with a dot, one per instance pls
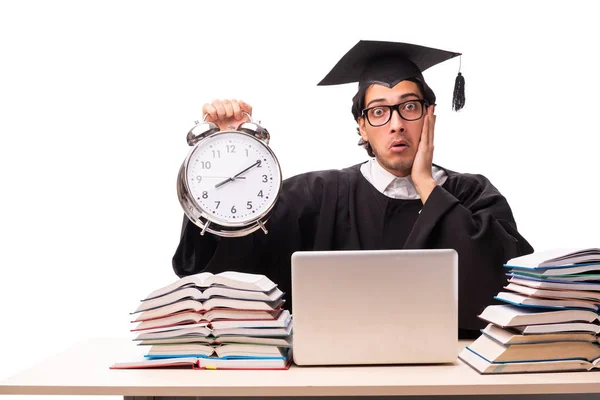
(554, 285)
(484, 366)
(495, 352)
(543, 303)
(205, 363)
(225, 351)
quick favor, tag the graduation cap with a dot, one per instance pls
(387, 63)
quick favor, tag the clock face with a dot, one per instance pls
(233, 177)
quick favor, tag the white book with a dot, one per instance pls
(553, 271)
(230, 279)
(194, 318)
(556, 258)
(589, 287)
(558, 328)
(508, 315)
(485, 367)
(212, 303)
(205, 331)
(554, 294)
(560, 275)
(519, 299)
(509, 336)
(269, 341)
(225, 350)
(213, 293)
(282, 321)
(206, 363)
(493, 351)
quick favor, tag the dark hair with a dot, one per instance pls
(358, 104)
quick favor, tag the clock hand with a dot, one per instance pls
(237, 176)
(250, 167)
(216, 177)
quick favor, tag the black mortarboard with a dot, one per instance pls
(387, 63)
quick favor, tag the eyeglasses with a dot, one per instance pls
(410, 110)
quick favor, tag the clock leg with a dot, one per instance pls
(262, 226)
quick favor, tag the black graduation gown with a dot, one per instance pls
(341, 210)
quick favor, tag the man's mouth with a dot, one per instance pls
(399, 145)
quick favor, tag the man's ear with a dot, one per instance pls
(362, 129)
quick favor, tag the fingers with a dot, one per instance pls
(237, 110)
(221, 113)
(210, 111)
(427, 133)
(215, 111)
(228, 108)
(432, 125)
(222, 110)
(245, 107)
(424, 142)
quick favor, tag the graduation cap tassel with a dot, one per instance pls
(458, 99)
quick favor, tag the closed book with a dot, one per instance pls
(220, 351)
(508, 336)
(549, 284)
(592, 297)
(558, 328)
(206, 363)
(509, 315)
(493, 351)
(537, 302)
(485, 367)
(565, 277)
(556, 258)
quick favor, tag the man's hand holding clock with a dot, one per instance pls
(227, 114)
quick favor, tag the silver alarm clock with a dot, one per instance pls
(230, 180)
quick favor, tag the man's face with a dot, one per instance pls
(394, 143)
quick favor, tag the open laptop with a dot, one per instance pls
(375, 307)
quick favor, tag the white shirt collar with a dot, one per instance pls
(394, 186)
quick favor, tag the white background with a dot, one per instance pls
(96, 99)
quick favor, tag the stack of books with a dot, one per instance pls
(550, 319)
(229, 320)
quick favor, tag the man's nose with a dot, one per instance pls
(396, 122)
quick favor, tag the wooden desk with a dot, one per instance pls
(84, 370)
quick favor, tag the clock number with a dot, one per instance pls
(231, 148)
(246, 152)
(249, 205)
(199, 178)
(233, 210)
(260, 194)
(216, 153)
(218, 203)
(205, 164)
(264, 179)
(205, 195)
(258, 162)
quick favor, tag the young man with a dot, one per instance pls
(397, 200)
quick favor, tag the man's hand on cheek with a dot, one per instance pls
(421, 169)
